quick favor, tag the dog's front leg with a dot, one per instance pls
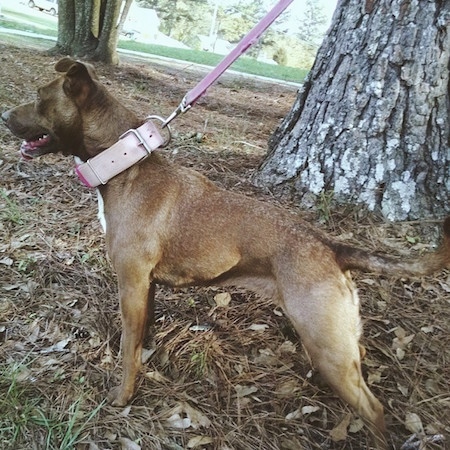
(135, 294)
(151, 305)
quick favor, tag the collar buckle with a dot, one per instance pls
(141, 141)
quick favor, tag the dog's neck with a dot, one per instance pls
(116, 120)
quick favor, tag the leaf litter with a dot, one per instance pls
(223, 369)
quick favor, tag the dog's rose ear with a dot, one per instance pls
(79, 77)
(64, 64)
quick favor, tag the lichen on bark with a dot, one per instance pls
(371, 123)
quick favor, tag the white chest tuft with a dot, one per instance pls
(101, 204)
(101, 211)
(77, 160)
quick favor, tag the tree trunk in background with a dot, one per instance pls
(90, 28)
(109, 34)
(66, 29)
(371, 124)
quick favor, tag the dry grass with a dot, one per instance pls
(213, 381)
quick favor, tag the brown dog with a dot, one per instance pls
(170, 225)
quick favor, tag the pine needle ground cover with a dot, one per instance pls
(223, 369)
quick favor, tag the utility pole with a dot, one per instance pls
(212, 30)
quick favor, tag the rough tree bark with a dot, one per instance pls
(90, 28)
(371, 123)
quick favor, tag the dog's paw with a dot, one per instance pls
(118, 396)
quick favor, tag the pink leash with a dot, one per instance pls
(247, 41)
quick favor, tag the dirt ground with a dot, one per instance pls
(217, 374)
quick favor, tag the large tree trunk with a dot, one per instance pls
(90, 28)
(75, 37)
(371, 124)
(66, 29)
(109, 34)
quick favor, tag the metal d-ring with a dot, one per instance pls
(167, 141)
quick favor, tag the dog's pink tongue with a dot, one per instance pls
(23, 149)
(28, 147)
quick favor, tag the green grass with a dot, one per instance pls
(10, 210)
(26, 41)
(20, 21)
(243, 64)
(43, 25)
(27, 27)
(25, 412)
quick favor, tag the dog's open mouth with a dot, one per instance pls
(35, 147)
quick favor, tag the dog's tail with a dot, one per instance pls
(349, 258)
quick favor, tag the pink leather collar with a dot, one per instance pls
(132, 147)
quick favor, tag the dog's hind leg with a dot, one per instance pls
(327, 320)
(135, 292)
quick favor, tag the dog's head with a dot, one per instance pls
(67, 115)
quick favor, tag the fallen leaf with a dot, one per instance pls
(110, 436)
(287, 347)
(205, 327)
(292, 443)
(258, 327)
(29, 287)
(51, 362)
(267, 356)
(400, 332)
(403, 389)
(58, 347)
(400, 353)
(34, 331)
(294, 415)
(445, 286)
(95, 341)
(309, 409)
(155, 375)
(222, 299)
(125, 411)
(382, 305)
(339, 432)
(413, 423)
(243, 391)
(432, 386)
(278, 312)
(128, 444)
(12, 287)
(401, 341)
(196, 441)
(356, 425)
(176, 421)
(374, 377)
(198, 419)
(184, 416)
(287, 388)
(146, 354)
(107, 359)
(23, 374)
(7, 261)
